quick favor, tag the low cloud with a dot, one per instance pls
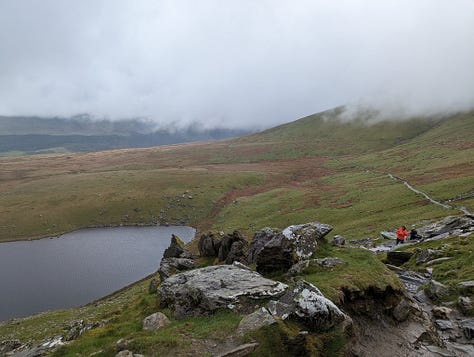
(238, 64)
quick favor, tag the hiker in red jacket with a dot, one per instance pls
(402, 234)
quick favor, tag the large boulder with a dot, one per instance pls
(209, 245)
(276, 255)
(274, 251)
(232, 248)
(206, 290)
(177, 249)
(259, 240)
(310, 306)
(305, 237)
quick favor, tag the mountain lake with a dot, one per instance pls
(78, 267)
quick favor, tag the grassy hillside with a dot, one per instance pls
(317, 168)
(311, 169)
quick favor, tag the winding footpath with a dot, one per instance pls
(462, 209)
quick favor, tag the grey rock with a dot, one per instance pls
(466, 287)
(177, 249)
(155, 321)
(209, 245)
(464, 304)
(444, 325)
(279, 309)
(436, 290)
(305, 237)
(77, 328)
(311, 307)
(255, 320)
(276, 255)
(172, 266)
(206, 290)
(424, 255)
(338, 241)
(437, 261)
(449, 224)
(396, 257)
(401, 312)
(228, 244)
(468, 328)
(298, 267)
(259, 240)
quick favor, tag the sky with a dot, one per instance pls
(234, 63)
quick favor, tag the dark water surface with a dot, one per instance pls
(78, 267)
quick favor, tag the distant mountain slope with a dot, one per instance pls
(30, 135)
(327, 133)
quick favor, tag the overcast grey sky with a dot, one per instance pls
(235, 63)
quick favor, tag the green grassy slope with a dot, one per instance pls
(311, 169)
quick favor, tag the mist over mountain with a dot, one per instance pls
(33, 135)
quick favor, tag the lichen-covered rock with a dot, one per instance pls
(206, 290)
(273, 251)
(259, 240)
(448, 225)
(236, 253)
(177, 249)
(311, 307)
(172, 266)
(259, 318)
(280, 309)
(305, 237)
(209, 245)
(155, 321)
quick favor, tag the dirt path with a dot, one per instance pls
(410, 187)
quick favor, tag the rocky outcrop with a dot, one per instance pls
(448, 226)
(176, 259)
(309, 305)
(232, 248)
(425, 255)
(177, 249)
(260, 239)
(206, 290)
(209, 245)
(275, 251)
